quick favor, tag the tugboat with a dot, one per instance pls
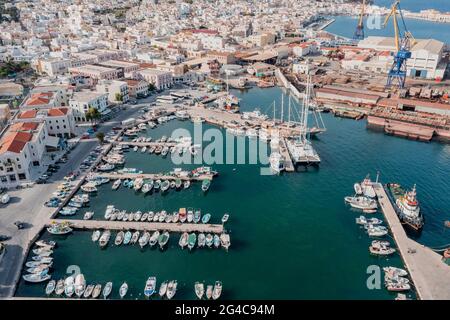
(407, 206)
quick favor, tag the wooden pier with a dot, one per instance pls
(153, 176)
(141, 226)
(430, 275)
(288, 164)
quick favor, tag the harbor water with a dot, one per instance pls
(292, 236)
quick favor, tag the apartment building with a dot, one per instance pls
(137, 88)
(83, 100)
(159, 78)
(117, 90)
(96, 72)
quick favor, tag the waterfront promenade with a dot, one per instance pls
(142, 226)
(430, 275)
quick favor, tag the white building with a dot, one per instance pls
(159, 78)
(82, 101)
(137, 88)
(117, 90)
(22, 148)
(53, 66)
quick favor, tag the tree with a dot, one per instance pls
(119, 97)
(151, 87)
(93, 115)
(100, 136)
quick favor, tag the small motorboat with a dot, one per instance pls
(363, 220)
(80, 285)
(190, 215)
(201, 240)
(97, 291)
(69, 286)
(376, 231)
(123, 290)
(182, 215)
(197, 216)
(88, 292)
(163, 239)
(144, 217)
(59, 290)
(362, 203)
(217, 291)
(163, 289)
(104, 239)
(50, 287)
(88, 215)
(135, 237)
(119, 238)
(151, 214)
(209, 292)
(143, 240)
(186, 184)
(225, 217)
(43, 243)
(150, 286)
(209, 240)
(395, 271)
(183, 240)
(107, 290)
(192, 240)
(154, 238)
(127, 237)
(96, 235)
(171, 289)
(216, 241)
(199, 290)
(205, 185)
(225, 240)
(206, 218)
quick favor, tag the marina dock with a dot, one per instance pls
(430, 275)
(288, 164)
(153, 176)
(142, 226)
(147, 144)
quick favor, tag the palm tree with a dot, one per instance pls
(93, 115)
(100, 136)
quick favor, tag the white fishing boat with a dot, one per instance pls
(395, 272)
(97, 291)
(109, 211)
(163, 289)
(59, 290)
(107, 290)
(138, 184)
(363, 220)
(217, 291)
(199, 290)
(376, 231)
(123, 290)
(88, 215)
(135, 237)
(104, 239)
(381, 248)
(154, 238)
(88, 292)
(59, 228)
(143, 240)
(362, 203)
(69, 286)
(225, 240)
(116, 184)
(119, 238)
(80, 285)
(209, 291)
(225, 217)
(137, 216)
(150, 286)
(144, 217)
(89, 187)
(365, 188)
(50, 287)
(171, 289)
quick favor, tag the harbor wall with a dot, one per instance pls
(285, 82)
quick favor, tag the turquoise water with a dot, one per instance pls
(421, 29)
(292, 235)
(417, 5)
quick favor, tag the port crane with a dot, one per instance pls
(359, 32)
(403, 42)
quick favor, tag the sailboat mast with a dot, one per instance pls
(289, 110)
(282, 108)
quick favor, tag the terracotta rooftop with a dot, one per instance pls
(57, 112)
(28, 114)
(38, 99)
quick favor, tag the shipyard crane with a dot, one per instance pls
(359, 32)
(403, 42)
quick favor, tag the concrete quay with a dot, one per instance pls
(430, 275)
(153, 176)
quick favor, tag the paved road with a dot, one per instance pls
(28, 205)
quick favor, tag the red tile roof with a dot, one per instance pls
(29, 114)
(38, 99)
(57, 112)
(14, 142)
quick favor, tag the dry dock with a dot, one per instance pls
(431, 276)
(142, 226)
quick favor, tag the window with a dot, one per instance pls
(22, 176)
(3, 179)
(51, 128)
(12, 177)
